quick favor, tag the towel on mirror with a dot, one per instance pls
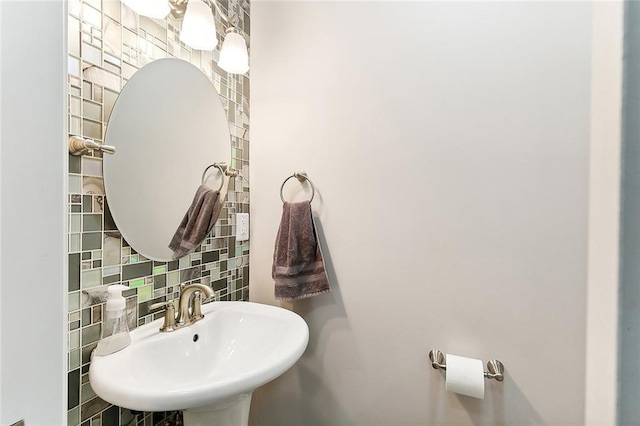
(197, 222)
(298, 265)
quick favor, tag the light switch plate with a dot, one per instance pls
(242, 226)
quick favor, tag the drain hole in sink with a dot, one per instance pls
(195, 337)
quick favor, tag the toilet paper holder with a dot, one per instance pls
(495, 368)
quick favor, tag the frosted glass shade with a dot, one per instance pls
(198, 29)
(234, 57)
(158, 9)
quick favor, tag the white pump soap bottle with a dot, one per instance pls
(115, 332)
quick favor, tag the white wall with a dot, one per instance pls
(604, 214)
(33, 212)
(470, 118)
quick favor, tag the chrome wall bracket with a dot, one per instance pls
(81, 146)
(179, 7)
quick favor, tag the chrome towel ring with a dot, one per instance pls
(220, 166)
(301, 176)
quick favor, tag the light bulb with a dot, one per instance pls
(198, 28)
(234, 57)
(158, 9)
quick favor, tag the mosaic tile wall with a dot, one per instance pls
(107, 44)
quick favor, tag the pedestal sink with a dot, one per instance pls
(208, 369)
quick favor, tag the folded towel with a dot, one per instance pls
(197, 222)
(298, 266)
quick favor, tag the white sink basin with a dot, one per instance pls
(208, 369)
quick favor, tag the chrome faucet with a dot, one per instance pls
(189, 304)
(185, 302)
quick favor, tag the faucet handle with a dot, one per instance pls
(169, 315)
(196, 305)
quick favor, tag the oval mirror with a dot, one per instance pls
(168, 126)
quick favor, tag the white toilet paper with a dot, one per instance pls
(465, 376)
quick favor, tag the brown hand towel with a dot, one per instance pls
(197, 222)
(298, 266)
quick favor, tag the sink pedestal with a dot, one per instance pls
(233, 411)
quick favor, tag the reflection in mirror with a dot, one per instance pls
(169, 125)
(197, 222)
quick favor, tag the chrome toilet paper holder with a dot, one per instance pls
(495, 368)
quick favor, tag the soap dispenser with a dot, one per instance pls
(115, 332)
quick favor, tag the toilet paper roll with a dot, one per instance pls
(465, 376)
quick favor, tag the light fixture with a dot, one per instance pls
(198, 28)
(158, 9)
(234, 57)
(199, 32)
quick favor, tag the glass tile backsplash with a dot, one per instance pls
(108, 43)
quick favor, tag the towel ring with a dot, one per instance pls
(301, 176)
(220, 166)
